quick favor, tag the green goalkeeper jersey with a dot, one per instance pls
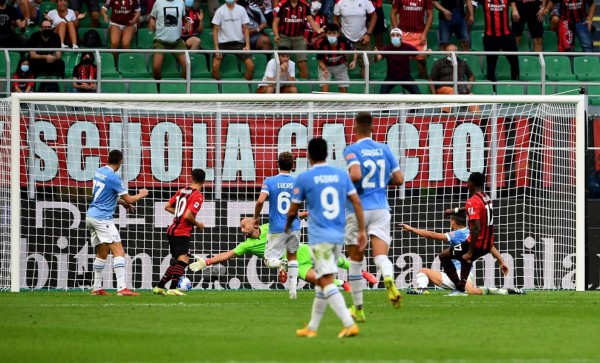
(254, 246)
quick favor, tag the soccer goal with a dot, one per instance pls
(531, 150)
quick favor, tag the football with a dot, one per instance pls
(184, 284)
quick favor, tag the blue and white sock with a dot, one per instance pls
(338, 304)
(119, 269)
(293, 276)
(318, 309)
(384, 265)
(98, 271)
(356, 283)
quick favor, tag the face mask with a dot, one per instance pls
(189, 3)
(229, 1)
(396, 41)
(87, 61)
(47, 32)
(24, 68)
(332, 40)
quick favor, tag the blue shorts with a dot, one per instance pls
(457, 25)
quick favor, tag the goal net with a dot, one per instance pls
(530, 150)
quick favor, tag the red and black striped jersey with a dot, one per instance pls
(496, 17)
(334, 58)
(292, 18)
(193, 17)
(185, 199)
(411, 14)
(479, 207)
(309, 32)
(574, 11)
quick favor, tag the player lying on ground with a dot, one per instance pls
(184, 205)
(457, 235)
(255, 244)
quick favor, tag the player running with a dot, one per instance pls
(278, 189)
(325, 189)
(457, 235)
(255, 244)
(371, 166)
(481, 220)
(184, 205)
(107, 192)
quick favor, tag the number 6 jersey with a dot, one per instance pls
(185, 199)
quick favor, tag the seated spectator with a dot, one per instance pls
(23, 77)
(93, 7)
(8, 20)
(579, 15)
(266, 8)
(442, 71)
(191, 36)
(85, 71)
(230, 32)
(287, 74)
(46, 63)
(63, 22)
(310, 35)
(168, 33)
(453, 19)
(256, 26)
(398, 69)
(29, 11)
(123, 22)
(333, 63)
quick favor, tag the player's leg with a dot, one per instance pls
(378, 228)
(446, 257)
(100, 261)
(422, 279)
(356, 262)
(180, 246)
(116, 248)
(159, 289)
(292, 243)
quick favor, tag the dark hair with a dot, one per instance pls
(283, 48)
(317, 149)
(115, 157)
(477, 179)
(364, 122)
(198, 176)
(285, 161)
(460, 218)
(19, 72)
(332, 27)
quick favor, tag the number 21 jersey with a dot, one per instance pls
(185, 199)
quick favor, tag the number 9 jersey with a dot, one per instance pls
(377, 164)
(185, 199)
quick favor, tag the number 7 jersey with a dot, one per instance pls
(377, 163)
(185, 199)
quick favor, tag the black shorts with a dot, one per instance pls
(179, 245)
(93, 5)
(380, 25)
(528, 13)
(457, 251)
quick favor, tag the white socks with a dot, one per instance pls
(98, 271)
(384, 265)
(318, 309)
(119, 269)
(293, 276)
(338, 304)
(422, 280)
(356, 283)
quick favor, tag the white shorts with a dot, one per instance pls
(122, 27)
(325, 258)
(377, 222)
(102, 231)
(278, 243)
(447, 284)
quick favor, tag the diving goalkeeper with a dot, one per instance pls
(256, 241)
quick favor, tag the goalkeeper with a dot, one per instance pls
(256, 241)
(458, 234)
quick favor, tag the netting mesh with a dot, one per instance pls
(526, 151)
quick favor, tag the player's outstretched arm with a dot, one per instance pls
(424, 233)
(132, 199)
(201, 263)
(450, 211)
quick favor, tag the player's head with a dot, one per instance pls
(363, 123)
(317, 150)
(198, 176)
(476, 181)
(115, 157)
(285, 161)
(249, 229)
(458, 220)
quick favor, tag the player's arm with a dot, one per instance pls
(354, 172)
(170, 208)
(425, 233)
(358, 210)
(201, 262)
(291, 216)
(303, 215)
(191, 219)
(132, 199)
(397, 178)
(451, 211)
(259, 205)
(498, 258)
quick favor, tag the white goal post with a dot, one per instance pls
(531, 149)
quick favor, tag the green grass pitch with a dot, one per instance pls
(260, 326)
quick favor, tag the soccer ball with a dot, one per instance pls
(184, 284)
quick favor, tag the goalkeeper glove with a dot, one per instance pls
(200, 264)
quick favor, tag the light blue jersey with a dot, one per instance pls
(108, 186)
(455, 238)
(325, 189)
(279, 188)
(377, 163)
